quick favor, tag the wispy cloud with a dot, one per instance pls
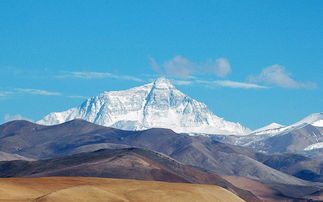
(32, 91)
(181, 82)
(8, 117)
(37, 91)
(236, 84)
(77, 96)
(89, 75)
(230, 84)
(154, 65)
(182, 67)
(179, 67)
(20, 91)
(97, 75)
(218, 83)
(220, 67)
(5, 93)
(277, 75)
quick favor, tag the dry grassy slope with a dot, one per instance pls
(104, 189)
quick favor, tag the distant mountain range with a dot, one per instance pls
(154, 105)
(293, 180)
(303, 137)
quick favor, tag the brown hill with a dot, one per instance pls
(103, 189)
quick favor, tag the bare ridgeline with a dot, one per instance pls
(154, 132)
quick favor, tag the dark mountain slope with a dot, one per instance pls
(294, 164)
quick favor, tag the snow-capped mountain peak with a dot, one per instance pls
(157, 104)
(311, 119)
(269, 127)
(163, 83)
(315, 119)
(273, 125)
(318, 123)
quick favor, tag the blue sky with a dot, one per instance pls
(253, 62)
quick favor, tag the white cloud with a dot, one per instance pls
(276, 75)
(31, 91)
(132, 78)
(36, 91)
(5, 93)
(154, 65)
(9, 117)
(181, 82)
(220, 67)
(89, 75)
(77, 96)
(181, 67)
(230, 84)
(235, 84)
(97, 75)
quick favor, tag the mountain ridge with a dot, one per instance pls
(314, 119)
(303, 137)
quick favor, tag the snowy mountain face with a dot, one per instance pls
(318, 123)
(154, 105)
(313, 119)
(301, 137)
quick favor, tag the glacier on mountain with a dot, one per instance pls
(154, 105)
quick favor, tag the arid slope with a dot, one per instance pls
(105, 189)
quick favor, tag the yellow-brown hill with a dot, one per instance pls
(106, 189)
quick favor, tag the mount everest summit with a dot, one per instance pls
(154, 105)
